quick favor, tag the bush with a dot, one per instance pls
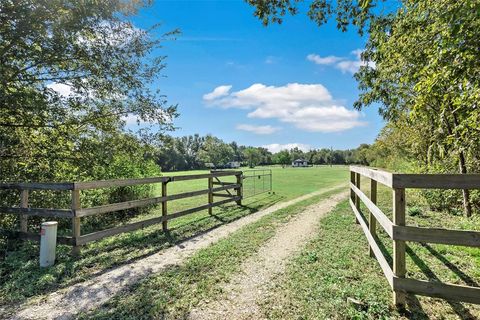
(113, 157)
(414, 211)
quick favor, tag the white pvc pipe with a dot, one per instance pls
(48, 243)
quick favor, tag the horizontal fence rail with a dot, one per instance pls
(399, 233)
(229, 191)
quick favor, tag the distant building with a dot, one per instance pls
(300, 163)
(210, 165)
(233, 165)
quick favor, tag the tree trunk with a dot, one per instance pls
(467, 207)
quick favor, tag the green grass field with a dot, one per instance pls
(20, 276)
(317, 282)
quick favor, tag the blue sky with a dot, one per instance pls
(288, 84)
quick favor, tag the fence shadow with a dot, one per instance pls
(462, 275)
(141, 244)
(415, 309)
(177, 235)
(462, 312)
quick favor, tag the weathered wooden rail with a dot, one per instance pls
(400, 233)
(76, 212)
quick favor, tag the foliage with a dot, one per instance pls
(414, 211)
(252, 155)
(179, 153)
(194, 152)
(345, 12)
(282, 157)
(426, 77)
(426, 74)
(73, 74)
(215, 151)
(423, 70)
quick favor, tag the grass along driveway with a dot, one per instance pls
(21, 278)
(336, 265)
(173, 293)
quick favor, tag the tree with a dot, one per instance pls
(71, 74)
(427, 73)
(424, 70)
(238, 151)
(265, 156)
(282, 157)
(215, 151)
(253, 156)
(345, 12)
(296, 153)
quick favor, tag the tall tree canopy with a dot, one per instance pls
(345, 12)
(72, 73)
(425, 72)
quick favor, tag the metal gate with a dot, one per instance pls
(256, 182)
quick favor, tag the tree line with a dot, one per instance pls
(196, 152)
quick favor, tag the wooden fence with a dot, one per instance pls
(76, 212)
(400, 233)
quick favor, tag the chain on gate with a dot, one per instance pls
(256, 182)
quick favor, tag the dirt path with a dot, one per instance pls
(64, 304)
(244, 291)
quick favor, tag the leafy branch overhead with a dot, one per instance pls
(72, 74)
(81, 64)
(345, 12)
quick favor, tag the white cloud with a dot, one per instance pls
(276, 147)
(351, 66)
(343, 64)
(323, 60)
(218, 92)
(309, 107)
(325, 119)
(258, 129)
(62, 89)
(272, 60)
(132, 119)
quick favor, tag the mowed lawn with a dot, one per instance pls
(21, 278)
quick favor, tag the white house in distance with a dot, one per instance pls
(300, 163)
(233, 165)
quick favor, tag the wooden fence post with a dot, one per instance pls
(372, 222)
(352, 193)
(357, 198)
(399, 264)
(24, 217)
(240, 188)
(75, 222)
(164, 207)
(210, 194)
